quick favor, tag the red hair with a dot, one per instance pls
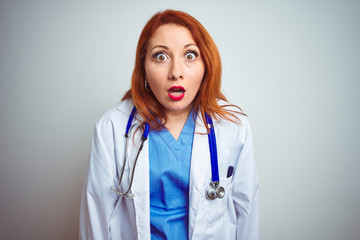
(209, 92)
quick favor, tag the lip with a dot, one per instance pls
(176, 93)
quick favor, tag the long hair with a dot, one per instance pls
(210, 90)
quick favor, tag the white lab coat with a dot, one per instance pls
(104, 215)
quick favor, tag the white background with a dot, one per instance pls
(293, 66)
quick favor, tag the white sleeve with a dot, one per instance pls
(246, 191)
(97, 201)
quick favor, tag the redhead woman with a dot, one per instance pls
(174, 159)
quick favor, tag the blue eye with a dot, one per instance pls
(190, 56)
(160, 57)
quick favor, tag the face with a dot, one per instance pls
(174, 67)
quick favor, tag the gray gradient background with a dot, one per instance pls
(293, 66)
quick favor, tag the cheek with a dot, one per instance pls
(154, 72)
(200, 69)
(151, 74)
(154, 78)
(148, 71)
(198, 76)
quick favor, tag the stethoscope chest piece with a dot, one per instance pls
(214, 191)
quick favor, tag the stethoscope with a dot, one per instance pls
(213, 191)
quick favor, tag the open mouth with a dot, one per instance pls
(176, 93)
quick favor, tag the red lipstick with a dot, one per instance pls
(176, 93)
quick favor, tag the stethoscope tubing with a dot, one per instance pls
(213, 191)
(143, 139)
(213, 150)
(128, 126)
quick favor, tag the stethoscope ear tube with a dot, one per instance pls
(133, 111)
(146, 132)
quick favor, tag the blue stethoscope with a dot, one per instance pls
(213, 191)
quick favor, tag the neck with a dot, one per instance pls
(176, 121)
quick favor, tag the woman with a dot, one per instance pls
(176, 91)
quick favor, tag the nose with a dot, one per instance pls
(176, 70)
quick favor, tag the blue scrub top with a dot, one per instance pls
(169, 181)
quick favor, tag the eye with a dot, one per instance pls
(191, 55)
(160, 57)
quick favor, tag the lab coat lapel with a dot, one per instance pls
(200, 174)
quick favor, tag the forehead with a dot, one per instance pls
(171, 35)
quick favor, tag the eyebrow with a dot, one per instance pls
(160, 46)
(190, 44)
(165, 47)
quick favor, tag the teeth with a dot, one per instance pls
(177, 90)
(176, 93)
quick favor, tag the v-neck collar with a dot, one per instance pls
(176, 145)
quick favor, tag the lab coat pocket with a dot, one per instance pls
(215, 209)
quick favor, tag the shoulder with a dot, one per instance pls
(117, 114)
(231, 108)
(240, 126)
